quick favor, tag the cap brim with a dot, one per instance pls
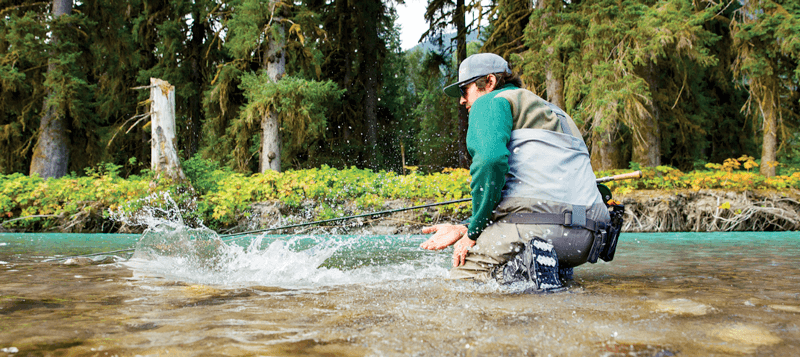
(453, 91)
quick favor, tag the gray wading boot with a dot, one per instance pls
(536, 263)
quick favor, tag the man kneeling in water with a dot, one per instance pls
(536, 208)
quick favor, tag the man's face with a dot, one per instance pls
(470, 92)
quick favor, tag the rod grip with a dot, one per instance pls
(630, 175)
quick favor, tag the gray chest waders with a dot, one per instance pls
(605, 235)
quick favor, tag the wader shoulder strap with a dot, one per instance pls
(562, 118)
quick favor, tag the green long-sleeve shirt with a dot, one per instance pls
(488, 134)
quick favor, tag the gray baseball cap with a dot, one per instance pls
(474, 67)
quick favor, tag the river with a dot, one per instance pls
(187, 293)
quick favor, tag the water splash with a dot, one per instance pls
(156, 210)
(170, 249)
(303, 261)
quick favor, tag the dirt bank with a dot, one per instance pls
(646, 211)
(711, 211)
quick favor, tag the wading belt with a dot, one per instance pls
(575, 219)
(568, 219)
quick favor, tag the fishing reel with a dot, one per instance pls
(616, 210)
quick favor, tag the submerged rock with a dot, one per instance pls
(82, 261)
(742, 338)
(79, 261)
(681, 307)
(787, 308)
(747, 334)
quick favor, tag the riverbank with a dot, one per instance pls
(663, 200)
(645, 211)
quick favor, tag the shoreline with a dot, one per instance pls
(646, 211)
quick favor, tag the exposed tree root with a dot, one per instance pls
(645, 211)
(710, 211)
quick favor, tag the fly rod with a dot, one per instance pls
(631, 175)
(290, 226)
(349, 217)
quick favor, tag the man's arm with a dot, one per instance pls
(490, 125)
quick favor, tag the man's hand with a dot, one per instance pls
(446, 235)
(460, 250)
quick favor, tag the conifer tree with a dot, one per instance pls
(177, 45)
(354, 50)
(612, 57)
(397, 127)
(371, 48)
(440, 15)
(506, 31)
(51, 153)
(438, 117)
(259, 38)
(23, 66)
(766, 36)
(551, 52)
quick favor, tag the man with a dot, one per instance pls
(535, 205)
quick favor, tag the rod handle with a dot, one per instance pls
(630, 175)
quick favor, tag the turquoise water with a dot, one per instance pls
(199, 256)
(186, 293)
(37, 246)
(356, 251)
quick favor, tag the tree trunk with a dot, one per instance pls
(275, 64)
(163, 156)
(371, 13)
(461, 54)
(51, 153)
(647, 146)
(554, 83)
(196, 77)
(606, 155)
(768, 105)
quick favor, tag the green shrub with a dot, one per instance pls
(222, 197)
(204, 175)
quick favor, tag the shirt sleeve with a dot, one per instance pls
(489, 132)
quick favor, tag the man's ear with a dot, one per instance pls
(491, 82)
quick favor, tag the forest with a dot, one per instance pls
(289, 85)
